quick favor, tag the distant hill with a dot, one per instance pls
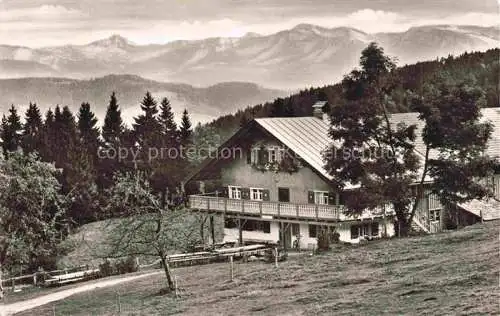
(204, 104)
(305, 55)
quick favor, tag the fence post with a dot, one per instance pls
(175, 286)
(119, 303)
(231, 268)
(275, 257)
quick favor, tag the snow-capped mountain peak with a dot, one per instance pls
(114, 40)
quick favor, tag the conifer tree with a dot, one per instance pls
(147, 130)
(185, 131)
(11, 131)
(114, 135)
(66, 140)
(166, 118)
(33, 129)
(4, 129)
(48, 137)
(113, 127)
(88, 131)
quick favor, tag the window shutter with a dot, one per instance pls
(224, 192)
(260, 156)
(265, 156)
(310, 197)
(331, 198)
(245, 193)
(265, 195)
(249, 156)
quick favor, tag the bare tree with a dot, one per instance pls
(148, 228)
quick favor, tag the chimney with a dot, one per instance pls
(318, 111)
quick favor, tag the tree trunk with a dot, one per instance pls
(403, 225)
(168, 274)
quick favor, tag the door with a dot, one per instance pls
(284, 195)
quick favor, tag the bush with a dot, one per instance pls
(106, 269)
(127, 265)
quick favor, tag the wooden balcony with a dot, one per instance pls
(277, 209)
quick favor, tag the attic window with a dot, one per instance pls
(275, 154)
(255, 155)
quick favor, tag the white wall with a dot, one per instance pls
(306, 242)
(232, 234)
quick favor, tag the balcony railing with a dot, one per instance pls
(278, 209)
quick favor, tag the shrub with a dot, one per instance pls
(105, 269)
(127, 265)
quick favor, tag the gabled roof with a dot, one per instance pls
(308, 137)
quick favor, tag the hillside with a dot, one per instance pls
(204, 103)
(480, 67)
(452, 273)
(301, 56)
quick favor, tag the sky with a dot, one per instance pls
(39, 23)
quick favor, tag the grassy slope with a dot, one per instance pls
(449, 273)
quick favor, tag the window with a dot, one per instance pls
(284, 194)
(354, 231)
(230, 223)
(275, 154)
(255, 225)
(234, 192)
(320, 197)
(368, 229)
(256, 194)
(273, 157)
(248, 225)
(313, 231)
(435, 215)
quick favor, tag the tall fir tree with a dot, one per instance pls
(185, 131)
(11, 132)
(88, 130)
(166, 118)
(4, 130)
(33, 130)
(167, 169)
(113, 128)
(66, 140)
(49, 134)
(147, 131)
(114, 135)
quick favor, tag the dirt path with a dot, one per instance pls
(17, 307)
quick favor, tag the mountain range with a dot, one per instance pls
(203, 104)
(305, 55)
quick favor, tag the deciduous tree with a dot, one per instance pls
(148, 228)
(31, 211)
(368, 152)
